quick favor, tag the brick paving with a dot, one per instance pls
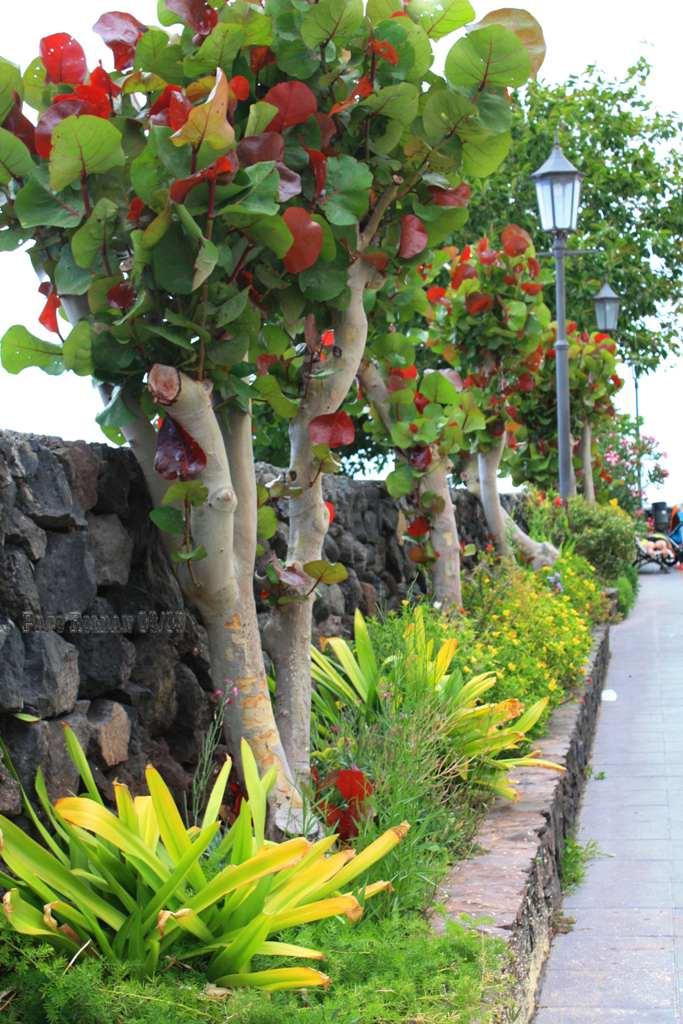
(623, 959)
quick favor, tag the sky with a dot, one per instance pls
(610, 33)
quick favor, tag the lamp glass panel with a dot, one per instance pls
(544, 198)
(565, 202)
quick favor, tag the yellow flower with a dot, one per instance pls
(512, 666)
(552, 685)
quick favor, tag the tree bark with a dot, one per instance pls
(587, 463)
(445, 574)
(289, 630)
(221, 585)
(504, 530)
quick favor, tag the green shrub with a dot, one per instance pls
(603, 534)
(626, 595)
(574, 577)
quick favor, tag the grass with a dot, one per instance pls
(574, 860)
(386, 972)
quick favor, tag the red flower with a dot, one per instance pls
(478, 302)
(558, 502)
(531, 288)
(617, 381)
(48, 317)
(135, 209)
(384, 50)
(353, 784)
(419, 527)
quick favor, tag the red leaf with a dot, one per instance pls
(259, 57)
(135, 209)
(361, 90)
(64, 59)
(51, 118)
(419, 527)
(102, 80)
(331, 512)
(418, 555)
(48, 317)
(224, 168)
(420, 402)
(308, 239)
(171, 109)
(327, 338)
(525, 383)
(533, 266)
(178, 456)
(485, 254)
(121, 33)
(532, 288)
(378, 260)
(335, 429)
(295, 103)
(98, 100)
(384, 50)
(463, 272)
(353, 784)
(318, 162)
(459, 196)
(239, 87)
(122, 296)
(413, 236)
(328, 130)
(17, 123)
(256, 148)
(515, 240)
(435, 294)
(195, 13)
(478, 302)
(420, 458)
(264, 363)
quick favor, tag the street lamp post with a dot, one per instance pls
(558, 191)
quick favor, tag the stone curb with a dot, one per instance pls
(515, 881)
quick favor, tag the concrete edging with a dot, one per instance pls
(515, 881)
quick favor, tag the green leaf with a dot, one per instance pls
(439, 18)
(20, 349)
(445, 115)
(483, 153)
(170, 520)
(397, 102)
(218, 50)
(266, 522)
(15, 159)
(323, 282)
(438, 388)
(193, 491)
(381, 10)
(89, 240)
(205, 263)
(326, 572)
(36, 206)
(488, 58)
(347, 191)
(446, 224)
(296, 60)
(10, 83)
(172, 263)
(330, 20)
(37, 93)
(157, 54)
(516, 314)
(69, 278)
(257, 27)
(82, 146)
(232, 308)
(401, 481)
(260, 116)
(115, 415)
(11, 239)
(272, 232)
(269, 389)
(495, 112)
(196, 555)
(78, 350)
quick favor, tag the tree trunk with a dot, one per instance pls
(587, 463)
(504, 530)
(445, 575)
(289, 630)
(221, 585)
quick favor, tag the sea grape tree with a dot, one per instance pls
(593, 383)
(210, 214)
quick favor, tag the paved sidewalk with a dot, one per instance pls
(623, 959)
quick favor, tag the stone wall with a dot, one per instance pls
(94, 632)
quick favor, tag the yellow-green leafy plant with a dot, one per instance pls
(137, 887)
(476, 734)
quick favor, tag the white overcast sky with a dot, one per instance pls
(610, 33)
